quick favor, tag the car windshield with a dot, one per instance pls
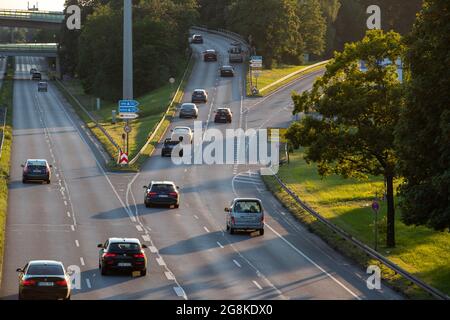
(123, 246)
(42, 270)
(162, 188)
(247, 207)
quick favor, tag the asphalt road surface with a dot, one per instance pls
(190, 254)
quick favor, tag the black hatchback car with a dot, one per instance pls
(210, 55)
(122, 254)
(36, 170)
(226, 71)
(197, 38)
(44, 280)
(162, 193)
(168, 147)
(223, 115)
(199, 95)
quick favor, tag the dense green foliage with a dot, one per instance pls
(160, 32)
(424, 130)
(351, 130)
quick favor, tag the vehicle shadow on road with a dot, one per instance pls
(98, 282)
(117, 214)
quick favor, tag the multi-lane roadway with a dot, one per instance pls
(190, 254)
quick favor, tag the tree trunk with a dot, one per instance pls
(390, 238)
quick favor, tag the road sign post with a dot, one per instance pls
(376, 208)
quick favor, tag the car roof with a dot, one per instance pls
(163, 182)
(184, 128)
(197, 35)
(224, 108)
(247, 199)
(227, 66)
(122, 240)
(210, 50)
(45, 262)
(203, 90)
(36, 160)
(188, 104)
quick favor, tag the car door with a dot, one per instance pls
(102, 250)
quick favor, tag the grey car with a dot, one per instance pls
(245, 214)
(189, 110)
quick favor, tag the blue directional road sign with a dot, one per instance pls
(128, 106)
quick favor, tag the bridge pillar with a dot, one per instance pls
(58, 68)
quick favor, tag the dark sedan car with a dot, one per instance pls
(161, 193)
(36, 170)
(122, 254)
(36, 76)
(199, 95)
(197, 38)
(168, 147)
(227, 71)
(210, 55)
(44, 279)
(223, 115)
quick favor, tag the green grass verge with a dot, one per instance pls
(152, 108)
(6, 100)
(346, 203)
(269, 76)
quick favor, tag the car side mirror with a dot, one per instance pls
(51, 166)
(19, 270)
(22, 165)
(227, 209)
(178, 188)
(145, 187)
(144, 246)
(100, 245)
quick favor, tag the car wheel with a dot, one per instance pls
(228, 227)
(20, 297)
(24, 181)
(48, 181)
(177, 206)
(143, 273)
(104, 271)
(261, 232)
(68, 298)
(231, 230)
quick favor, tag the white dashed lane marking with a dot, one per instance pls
(219, 244)
(77, 243)
(82, 261)
(88, 283)
(237, 263)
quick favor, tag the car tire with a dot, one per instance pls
(261, 232)
(24, 181)
(48, 181)
(228, 227)
(68, 298)
(104, 271)
(231, 230)
(143, 273)
(177, 206)
(20, 297)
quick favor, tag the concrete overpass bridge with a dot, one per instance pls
(31, 19)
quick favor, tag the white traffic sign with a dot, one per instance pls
(256, 65)
(128, 115)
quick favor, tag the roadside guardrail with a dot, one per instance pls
(369, 251)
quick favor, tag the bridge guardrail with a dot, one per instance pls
(369, 251)
(33, 15)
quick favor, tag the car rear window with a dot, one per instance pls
(247, 207)
(42, 270)
(162, 188)
(181, 130)
(222, 111)
(187, 106)
(123, 246)
(36, 164)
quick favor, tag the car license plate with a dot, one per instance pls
(45, 284)
(124, 264)
(36, 171)
(163, 196)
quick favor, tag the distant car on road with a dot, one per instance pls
(245, 214)
(44, 279)
(162, 193)
(33, 70)
(197, 38)
(42, 86)
(183, 134)
(2, 57)
(210, 55)
(223, 115)
(189, 110)
(36, 76)
(226, 71)
(199, 95)
(36, 170)
(122, 254)
(168, 147)
(236, 54)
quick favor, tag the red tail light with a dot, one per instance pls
(139, 256)
(29, 283)
(262, 218)
(173, 194)
(151, 194)
(233, 220)
(25, 170)
(109, 255)
(61, 283)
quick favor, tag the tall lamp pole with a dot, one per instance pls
(127, 54)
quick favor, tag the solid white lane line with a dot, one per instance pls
(237, 263)
(139, 228)
(160, 261)
(146, 237)
(77, 243)
(257, 284)
(169, 275)
(82, 261)
(88, 283)
(313, 263)
(220, 245)
(206, 229)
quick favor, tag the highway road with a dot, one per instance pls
(190, 254)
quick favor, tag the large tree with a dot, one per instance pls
(351, 130)
(424, 130)
(312, 26)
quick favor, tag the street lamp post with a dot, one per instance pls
(127, 55)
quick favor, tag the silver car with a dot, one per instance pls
(189, 110)
(245, 214)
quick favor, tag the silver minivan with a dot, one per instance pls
(245, 214)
